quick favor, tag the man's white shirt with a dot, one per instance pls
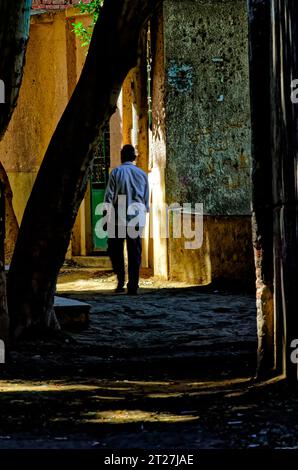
(128, 192)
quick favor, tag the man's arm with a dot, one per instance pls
(110, 190)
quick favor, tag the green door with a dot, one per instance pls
(99, 179)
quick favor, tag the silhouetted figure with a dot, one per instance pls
(128, 193)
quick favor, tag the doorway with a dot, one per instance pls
(98, 184)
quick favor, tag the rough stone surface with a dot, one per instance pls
(71, 313)
(226, 254)
(174, 323)
(167, 320)
(170, 369)
(207, 105)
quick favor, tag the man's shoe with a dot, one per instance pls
(132, 292)
(119, 290)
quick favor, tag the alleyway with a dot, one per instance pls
(205, 331)
(171, 368)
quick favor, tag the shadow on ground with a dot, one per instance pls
(170, 368)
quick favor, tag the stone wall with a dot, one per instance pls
(226, 256)
(207, 104)
(42, 100)
(158, 152)
(207, 124)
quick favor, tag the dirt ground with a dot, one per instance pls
(170, 368)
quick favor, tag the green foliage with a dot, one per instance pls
(93, 10)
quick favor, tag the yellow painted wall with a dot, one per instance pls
(116, 139)
(54, 61)
(158, 250)
(225, 255)
(43, 97)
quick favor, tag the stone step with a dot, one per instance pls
(99, 262)
(71, 313)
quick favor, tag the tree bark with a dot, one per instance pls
(4, 320)
(11, 223)
(14, 32)
(284, 170)
(61, 182)
(262, 220)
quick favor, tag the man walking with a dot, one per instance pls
(128, 192)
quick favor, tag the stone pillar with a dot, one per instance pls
(157, 157)
(127, 123)
(274, 65)
(284, 105)
(259, 55)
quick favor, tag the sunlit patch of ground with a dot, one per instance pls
(150, 389)
(93, 280)
(136, 416)
(86, 402)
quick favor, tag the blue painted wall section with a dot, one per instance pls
(180, 77)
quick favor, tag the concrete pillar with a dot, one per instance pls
(157, 157)
(284, 122)
(259, 43)
(127, 119)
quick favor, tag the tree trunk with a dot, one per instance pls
(4, 320)
(14, 31)
(259, 57)
(285, 163)
(11, 223)
(61, 182)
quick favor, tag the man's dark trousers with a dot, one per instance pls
(134, 254)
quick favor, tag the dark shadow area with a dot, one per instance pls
(77, 413)
(160, 334)
(150, 370)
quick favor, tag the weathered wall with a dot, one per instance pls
(158, 256)
(54, 62)
(134, 126)
(225, 256)
(207, 104)
(43, 97)
(208, 134)
(81, 242)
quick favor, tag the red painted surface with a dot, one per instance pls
(54, 4)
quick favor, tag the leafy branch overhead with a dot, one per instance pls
(93, 9)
